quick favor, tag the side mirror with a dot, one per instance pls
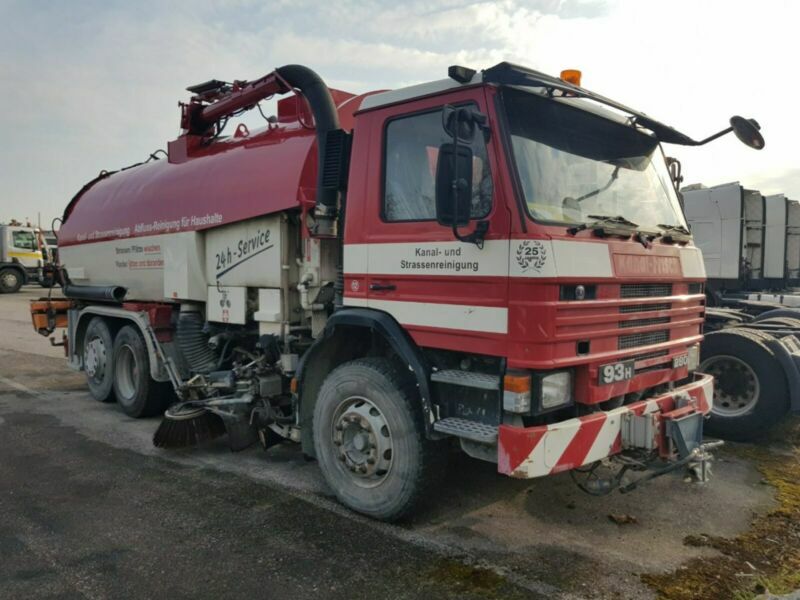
(747, 130)
(454, 185)
(464, 121)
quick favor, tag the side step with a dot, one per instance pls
(469, 430)
(472, 379)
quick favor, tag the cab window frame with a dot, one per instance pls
(28, 234)
(384, 156)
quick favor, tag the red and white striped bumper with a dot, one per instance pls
(527, 452)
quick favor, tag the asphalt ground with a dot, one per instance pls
(89, 509)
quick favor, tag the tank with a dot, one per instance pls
(180, 228)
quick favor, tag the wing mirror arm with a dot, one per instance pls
(454, 191)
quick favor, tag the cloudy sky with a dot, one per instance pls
(94, 84)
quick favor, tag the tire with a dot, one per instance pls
(98, 362)
(377, 408)
(750, 389)
(792, 313)
(10, 280)
(138, 394)
(47, 281)
(791, 322)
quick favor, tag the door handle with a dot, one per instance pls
(382, 287)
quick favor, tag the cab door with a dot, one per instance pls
(445, 292)
(23, 246)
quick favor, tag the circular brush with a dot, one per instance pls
(186, 425)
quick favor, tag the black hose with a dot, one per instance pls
(109, 293)
(327, 119)
(193, 343)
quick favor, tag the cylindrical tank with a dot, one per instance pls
(145, 228)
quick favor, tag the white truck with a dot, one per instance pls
(751, 251)
(23, 257)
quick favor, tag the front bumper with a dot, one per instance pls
(527, 452)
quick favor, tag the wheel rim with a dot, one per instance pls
(736, 389)
(126, 373)
(10, 279)
(362, 440)
(95, 359)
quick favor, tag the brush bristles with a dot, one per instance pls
(182, 433)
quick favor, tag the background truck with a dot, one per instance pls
(494, 259)
(751, 250)
(24, 257)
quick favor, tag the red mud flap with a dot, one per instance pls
(654, 424)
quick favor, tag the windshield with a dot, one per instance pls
(575, 166)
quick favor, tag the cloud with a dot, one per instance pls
(94, 85)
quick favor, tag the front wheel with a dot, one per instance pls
(370, 440)
(138, 394)
(10, 281)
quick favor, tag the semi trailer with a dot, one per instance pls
(751, 250)
(497, 260)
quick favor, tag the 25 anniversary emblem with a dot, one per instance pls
(531, 255)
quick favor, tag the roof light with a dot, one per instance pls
(461, 74)
(572, 76)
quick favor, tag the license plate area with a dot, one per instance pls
(682, 360)
(615, 372)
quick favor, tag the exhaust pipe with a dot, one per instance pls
(108, 293)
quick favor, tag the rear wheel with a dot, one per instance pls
(98, 360)
(138, 394)
(370, 440)
(750, 390)
(10, 280)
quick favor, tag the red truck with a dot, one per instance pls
(498, 259)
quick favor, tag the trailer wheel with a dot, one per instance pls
(750, 391)
(370, 440)
(138, 394)
(10, 280)
(98, 363)
(791, 313)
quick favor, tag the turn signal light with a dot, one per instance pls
(572, 76)
(517, 383)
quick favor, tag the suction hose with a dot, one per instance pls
(326, 119)
(193, 342)
(108, 293)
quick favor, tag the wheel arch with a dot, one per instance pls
(349, 334)
(116, 318)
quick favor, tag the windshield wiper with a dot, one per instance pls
(607, 224)
(600, 190)
(675, 233)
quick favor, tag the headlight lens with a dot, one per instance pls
(556, 390)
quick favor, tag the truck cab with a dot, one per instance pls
(584, 284)
(21, 257)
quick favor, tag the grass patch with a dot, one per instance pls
(767, 556)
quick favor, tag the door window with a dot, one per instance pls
(412, 152)
(24, 239)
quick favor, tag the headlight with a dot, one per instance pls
(693, 360)
(555, 390)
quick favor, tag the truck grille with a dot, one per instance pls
(645, 290)
(654, 354)
(643, 322)
(695, 288)
(634, 340)
(634, 308)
